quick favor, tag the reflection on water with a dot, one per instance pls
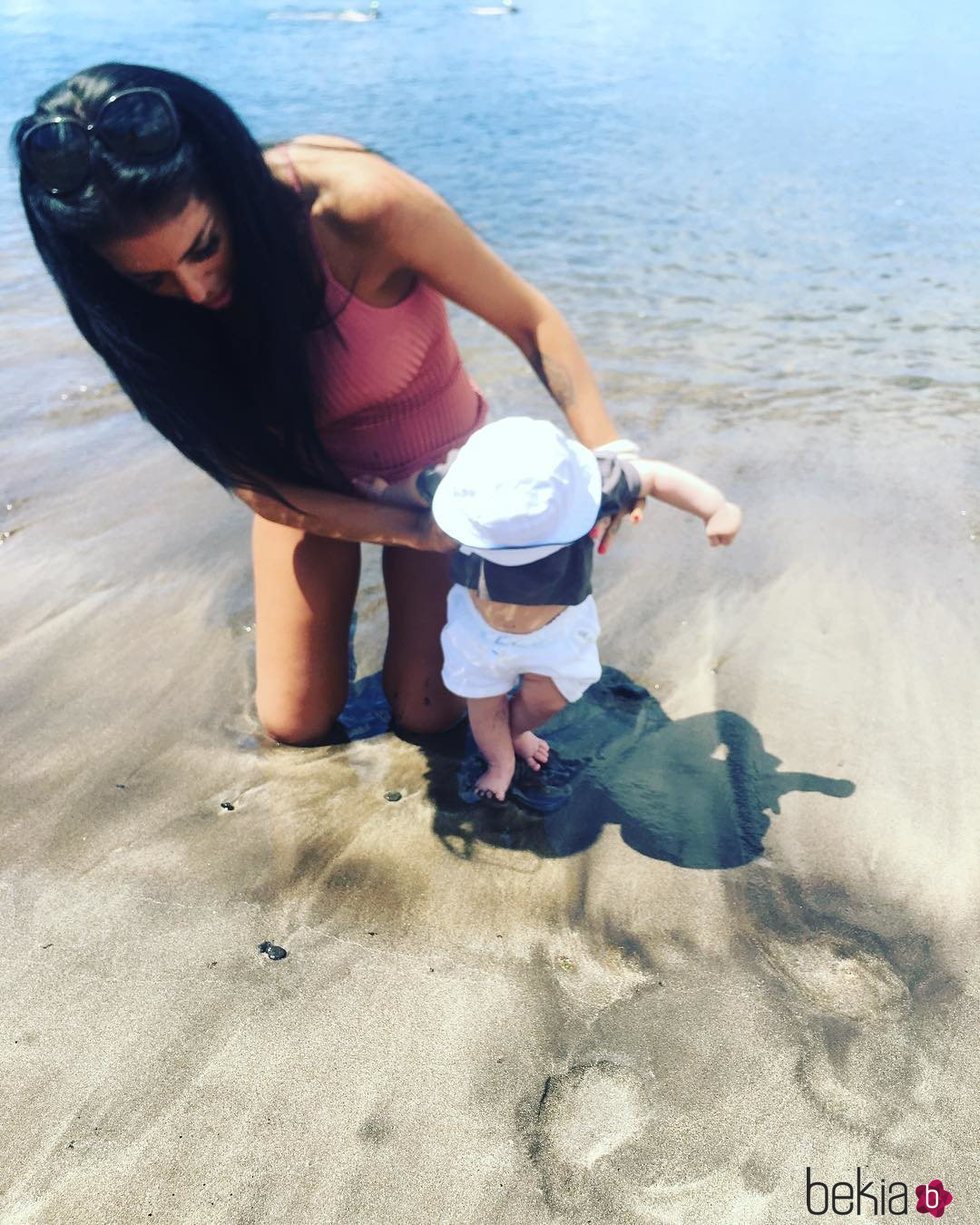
(748, 207)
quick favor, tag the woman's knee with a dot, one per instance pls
(416, 586)
(305, 588)
(425, 713)
(299, 702)
(294, 725)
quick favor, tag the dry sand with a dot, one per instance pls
(749, 946)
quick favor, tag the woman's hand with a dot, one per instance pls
(339, 517)
(722, 527)
(432, 539)
(606, 528)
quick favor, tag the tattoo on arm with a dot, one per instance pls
(555, 377)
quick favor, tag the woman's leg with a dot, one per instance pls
(305, 588)
(416, 585)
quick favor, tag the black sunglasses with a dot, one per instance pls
(137, 125)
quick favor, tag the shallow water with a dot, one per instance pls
(744, 207)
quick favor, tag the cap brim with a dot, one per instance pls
(517, 557)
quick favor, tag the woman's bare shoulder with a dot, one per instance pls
(346, 180)
(309, 158)
(330, 143)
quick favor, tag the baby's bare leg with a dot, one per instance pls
(535, 702)
(490, 724)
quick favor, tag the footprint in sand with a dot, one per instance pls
(672, 1089)
(860, 1066)
(583, 1115)
(840, 979)
(869, 991)
(863, 1077)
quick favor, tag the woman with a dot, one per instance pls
(279, 317)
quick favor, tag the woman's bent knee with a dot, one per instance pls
(434, 714)
(305, 588)
(300, 737)
(301, 728)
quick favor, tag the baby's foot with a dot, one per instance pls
(532, 749)
(493, 783)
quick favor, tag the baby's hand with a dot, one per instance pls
(395, 493)
(722, 527)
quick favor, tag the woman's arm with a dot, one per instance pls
(342, 518)
(406, 225)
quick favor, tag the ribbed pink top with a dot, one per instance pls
(394, 396)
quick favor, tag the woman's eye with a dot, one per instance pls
(210, 248)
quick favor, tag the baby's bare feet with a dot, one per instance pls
(532, 749)
(493, 783)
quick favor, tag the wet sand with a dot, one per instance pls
(748, 946)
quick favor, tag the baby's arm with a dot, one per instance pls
(688, 492)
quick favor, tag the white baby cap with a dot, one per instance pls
(519, 489)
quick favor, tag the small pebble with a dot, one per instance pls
(392, 796)
(227, 807)
(272, 951)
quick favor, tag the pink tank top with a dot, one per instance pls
(393, 393)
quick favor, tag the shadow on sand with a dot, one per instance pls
(696, 792)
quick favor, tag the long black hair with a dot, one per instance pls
(233, 389)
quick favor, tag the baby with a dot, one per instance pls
(522, 500)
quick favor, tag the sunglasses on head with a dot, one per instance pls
(137, 125)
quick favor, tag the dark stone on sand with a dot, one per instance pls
(227, 807)
(272, 951)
